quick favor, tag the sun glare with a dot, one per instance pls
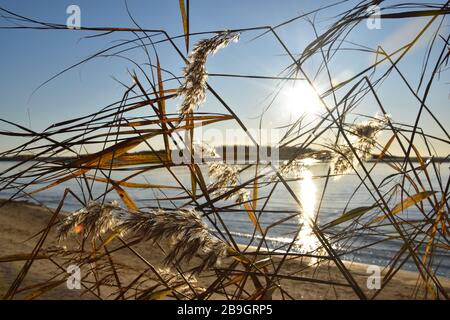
(301, 99)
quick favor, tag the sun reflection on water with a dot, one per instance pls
(306, 239)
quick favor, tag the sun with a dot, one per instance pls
(301, 99)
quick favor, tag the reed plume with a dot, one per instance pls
(363, 139)
(184, 229)
(226, 177)
(95, 219)
(193, 89)
(288, 169)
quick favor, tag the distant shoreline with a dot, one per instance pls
(374, 158)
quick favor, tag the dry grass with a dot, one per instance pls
(251, 273)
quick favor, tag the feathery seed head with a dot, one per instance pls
(226, 177)
(184, 229)
(363, 139)
(94, 219)
(292, 169)
(193, 89)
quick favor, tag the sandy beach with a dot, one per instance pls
(21, 221)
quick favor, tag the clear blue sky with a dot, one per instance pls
(29, 57)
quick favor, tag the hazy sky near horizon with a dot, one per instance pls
(30, 57)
